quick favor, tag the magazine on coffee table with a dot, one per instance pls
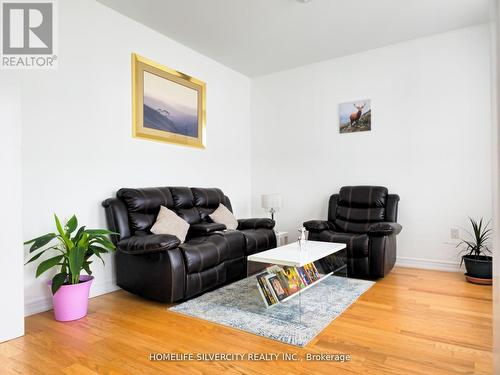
(278, 283)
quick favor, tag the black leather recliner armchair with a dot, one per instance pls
(364, 218)
(159, 267)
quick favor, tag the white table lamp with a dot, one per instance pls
(271, 203)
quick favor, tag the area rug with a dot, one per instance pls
(295, 322)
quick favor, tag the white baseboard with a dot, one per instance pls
(45, 303)
(429, 264)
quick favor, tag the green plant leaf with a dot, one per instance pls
(57, 281)
(66, 239)
(47, 264)
(64, 267)
(104, 242)
(37, 255)
(99, 249)
(83, 241)
(480, 235)
(78, 234)
(97, 252)
(72, 224)
(86, 267)
(39, 238)
(75, 262)
(59, 226)
(41, 241)
(99, 232)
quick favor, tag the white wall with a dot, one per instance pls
(77, 144)
(430, 143)
(11, 249)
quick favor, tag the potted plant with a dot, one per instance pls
(477, 263)
(74, 248)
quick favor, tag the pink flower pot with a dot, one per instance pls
(71, 301)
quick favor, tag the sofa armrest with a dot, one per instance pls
(263, 223)
(384, 229)
(205, 228)
(117, 219)
(316, 225)
(148, 244)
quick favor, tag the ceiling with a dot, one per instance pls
(258, 37)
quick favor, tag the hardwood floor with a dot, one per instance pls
(411, 322)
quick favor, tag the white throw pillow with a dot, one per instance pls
(167, 222)
(223, 216)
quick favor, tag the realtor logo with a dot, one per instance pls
(28, 35)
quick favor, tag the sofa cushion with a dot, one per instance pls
(168, 222)
(182, 196)
(206, 201)
(361, 215)
(144, 204)
(183, 199)
(357, 244)
(351, 227)
(148, 244)
(201, 253)
(202, 229)
(359, 206)
(199, 282)
(223, 216)
(207, 197)
(258, 240)
(363, 196)
(236, 242)
(265, 223)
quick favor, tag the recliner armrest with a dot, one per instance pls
(206, 228)
(263, 223)
(148, 244)
(384, 229)
(316, 225)
(117, 218)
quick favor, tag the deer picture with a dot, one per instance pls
(355, 116)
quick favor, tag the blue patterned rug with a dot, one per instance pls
(296, 321)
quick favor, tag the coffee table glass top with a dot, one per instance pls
(292, 255)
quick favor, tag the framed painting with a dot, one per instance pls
(168, 106)
(355, 116)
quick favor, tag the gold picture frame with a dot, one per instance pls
(168, 106)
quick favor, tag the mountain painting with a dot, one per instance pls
(355, 116)
(169, 106)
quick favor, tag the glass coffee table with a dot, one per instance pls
(286, 277)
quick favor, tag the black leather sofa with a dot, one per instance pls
(159, 267)
(364, 218)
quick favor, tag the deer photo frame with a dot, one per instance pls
(355, 116)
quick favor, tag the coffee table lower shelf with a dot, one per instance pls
(301, 290)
